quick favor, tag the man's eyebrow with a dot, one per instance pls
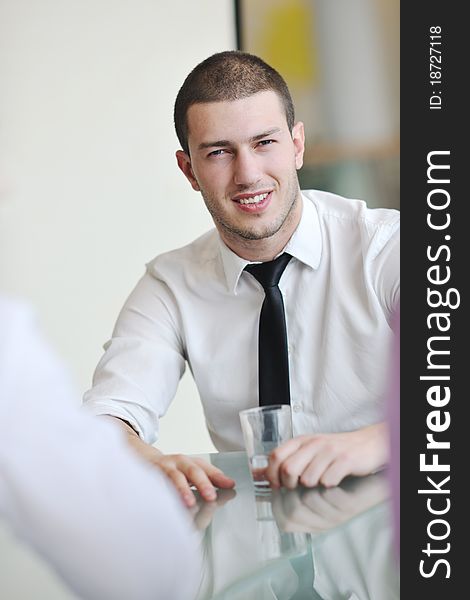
(272, 131)
(224, 143)
(217, 144)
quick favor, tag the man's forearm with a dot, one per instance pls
(145, 450)
(123, 424)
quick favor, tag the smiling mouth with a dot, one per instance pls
(254, 199)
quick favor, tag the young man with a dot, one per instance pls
(241, 148)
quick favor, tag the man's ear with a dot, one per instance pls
(298, 137)
(184, 163)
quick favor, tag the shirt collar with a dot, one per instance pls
(305, 245)
(306, 242)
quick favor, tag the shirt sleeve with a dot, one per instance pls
(138, 375)
(385, 266)
(108, 523)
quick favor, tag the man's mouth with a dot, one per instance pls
(253, 203)
(246, 199)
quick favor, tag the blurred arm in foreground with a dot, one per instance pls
(110, 525)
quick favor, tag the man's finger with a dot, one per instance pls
(219, 478)
(181, 484)
(315, 468)
(199, 478)
(277, 457)
(293, 468)
(335, 472)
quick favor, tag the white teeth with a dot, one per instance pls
(254, 199)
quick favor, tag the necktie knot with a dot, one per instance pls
(269, 273)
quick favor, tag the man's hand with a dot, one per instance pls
(182, 470)
(326, 459)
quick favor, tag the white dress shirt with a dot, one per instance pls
(197, 305)
(108, 523)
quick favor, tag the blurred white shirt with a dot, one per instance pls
(198, 305)
(108, 524)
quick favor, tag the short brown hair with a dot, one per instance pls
(229, 75)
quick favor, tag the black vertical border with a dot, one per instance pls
(237, 7)
(424, 130)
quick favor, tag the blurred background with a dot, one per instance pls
(90, 190)
(340, 59)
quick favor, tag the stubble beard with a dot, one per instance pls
(254, 233)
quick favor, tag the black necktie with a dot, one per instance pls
(273, 360)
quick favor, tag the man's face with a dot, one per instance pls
(243, 160)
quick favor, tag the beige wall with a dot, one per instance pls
(90, 188)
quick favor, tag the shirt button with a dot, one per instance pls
(296, 408)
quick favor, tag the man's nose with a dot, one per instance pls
(246, 169)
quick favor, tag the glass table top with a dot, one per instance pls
(333, 544)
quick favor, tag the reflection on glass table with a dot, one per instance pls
(333, 544)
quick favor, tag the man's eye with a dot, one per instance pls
(218, 152)
(266, 142)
